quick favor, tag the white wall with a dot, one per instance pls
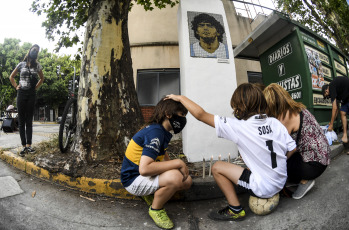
(208, 83)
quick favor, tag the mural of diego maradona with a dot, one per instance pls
(207, 35)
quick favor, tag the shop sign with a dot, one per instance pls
(327, 72)
(296, 95)
(291, 83)
(340, 67)
(280, 53)
(318, 99)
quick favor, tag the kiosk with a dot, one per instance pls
(296, 58)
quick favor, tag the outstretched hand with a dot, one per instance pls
(173, 97)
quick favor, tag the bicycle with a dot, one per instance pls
(68, 122)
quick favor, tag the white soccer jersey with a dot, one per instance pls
(263, 143)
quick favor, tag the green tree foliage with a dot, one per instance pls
(65, 17)
(11, 53)
(329, 18)
(54, 90)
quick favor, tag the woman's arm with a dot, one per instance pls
(290, 153)
(41, 75)
(198, 112)
(12, 79)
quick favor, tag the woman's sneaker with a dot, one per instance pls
(23, 152)
(303, 189)
(30, 149)
(161, 218)
(227, 214)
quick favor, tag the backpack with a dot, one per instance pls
(8, 125)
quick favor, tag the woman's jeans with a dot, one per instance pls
(25, 107)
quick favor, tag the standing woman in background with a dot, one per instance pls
(29, 70)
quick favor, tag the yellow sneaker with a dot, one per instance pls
(161, 218)
(148, 199)
(227, 214)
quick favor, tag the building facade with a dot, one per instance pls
(155, 51)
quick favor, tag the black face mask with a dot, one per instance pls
(177, 123)
(33, 54)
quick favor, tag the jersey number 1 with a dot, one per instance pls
(273, 154)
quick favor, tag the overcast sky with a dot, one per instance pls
(16, 21)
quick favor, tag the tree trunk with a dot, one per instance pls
(108, 109)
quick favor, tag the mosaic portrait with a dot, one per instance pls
(207, 35)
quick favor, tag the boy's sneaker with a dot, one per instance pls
(148, 199)
(303, 189)
(23, 152)
(227, 214)
(30, 149)
(161, 218)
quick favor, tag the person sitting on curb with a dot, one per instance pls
(313, 150)
(263, 142)
(338, 91)
(147, 168)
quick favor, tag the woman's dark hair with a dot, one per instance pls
(166, 107)
(248, 100)
(31, 62)
(210, 19)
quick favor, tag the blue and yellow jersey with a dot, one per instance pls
(151, 141)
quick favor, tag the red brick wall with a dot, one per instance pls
(147, 112)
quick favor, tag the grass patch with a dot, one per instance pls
(44, 148)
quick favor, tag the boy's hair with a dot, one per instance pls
(260, 86)
(247, 101)
(279, 102)
(166, 107)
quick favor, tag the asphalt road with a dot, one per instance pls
(44, 205)
(55, 207)
(41, 132)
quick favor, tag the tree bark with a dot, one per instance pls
(108, 109)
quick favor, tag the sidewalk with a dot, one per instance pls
(202, 188)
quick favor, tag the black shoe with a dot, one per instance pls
(30, 149)
(23, 152)
(227, 214)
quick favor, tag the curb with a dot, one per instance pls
(110, 188)
(201, 189)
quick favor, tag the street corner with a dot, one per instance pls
(9, 157)
(109, 188)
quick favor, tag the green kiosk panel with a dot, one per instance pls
(297, 59)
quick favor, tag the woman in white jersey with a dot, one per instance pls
(263, 143)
